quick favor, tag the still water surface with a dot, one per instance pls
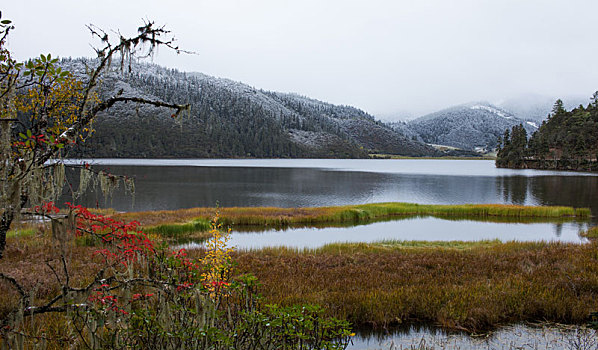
(175, 184)
(546, 337)
(412, 229)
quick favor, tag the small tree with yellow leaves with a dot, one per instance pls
(217, 261)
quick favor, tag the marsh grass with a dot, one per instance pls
(178, 230)
(21, 232)
(208, 310)
(472, 286)
(27, 259)
(375, 247)
(399, 244)
(591, 233)
(178, 222)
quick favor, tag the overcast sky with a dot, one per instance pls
(384, 56)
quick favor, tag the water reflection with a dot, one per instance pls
(508, 338)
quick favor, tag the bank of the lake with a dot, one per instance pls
(457, 285)
(461, 285)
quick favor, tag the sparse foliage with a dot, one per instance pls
(45, 111)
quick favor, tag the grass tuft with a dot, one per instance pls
(591, 233)
(21, 232)
(179, 230)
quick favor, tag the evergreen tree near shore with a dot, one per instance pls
(567, 140)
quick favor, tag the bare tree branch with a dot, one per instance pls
(14, 283)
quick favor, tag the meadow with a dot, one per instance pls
(470, 286)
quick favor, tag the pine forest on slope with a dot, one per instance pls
(473, 126)
(230, 119)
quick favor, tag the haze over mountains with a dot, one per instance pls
(232, 119)
(537, 107)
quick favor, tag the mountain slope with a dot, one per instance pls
(231, 119)
(470, 126)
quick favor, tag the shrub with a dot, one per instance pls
(146, 296)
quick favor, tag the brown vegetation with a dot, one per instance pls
(27, 259)
(470, 289)
(472, 286)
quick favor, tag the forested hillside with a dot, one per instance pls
(231, 119)
(473, 126)
(567, 140)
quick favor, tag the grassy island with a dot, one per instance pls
(179, 222)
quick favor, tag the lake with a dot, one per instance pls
(175, 184)
(520, 336)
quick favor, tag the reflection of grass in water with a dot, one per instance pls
(178, 222)
(492, 219)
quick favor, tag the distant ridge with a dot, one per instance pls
(230, 119)
(471, 126)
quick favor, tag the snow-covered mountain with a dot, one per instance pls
(471, 126)
(231, 119)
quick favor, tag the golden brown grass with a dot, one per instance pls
(279, 217)
(459, 285)
(476, 288)
(591, 233)
(26, 259)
